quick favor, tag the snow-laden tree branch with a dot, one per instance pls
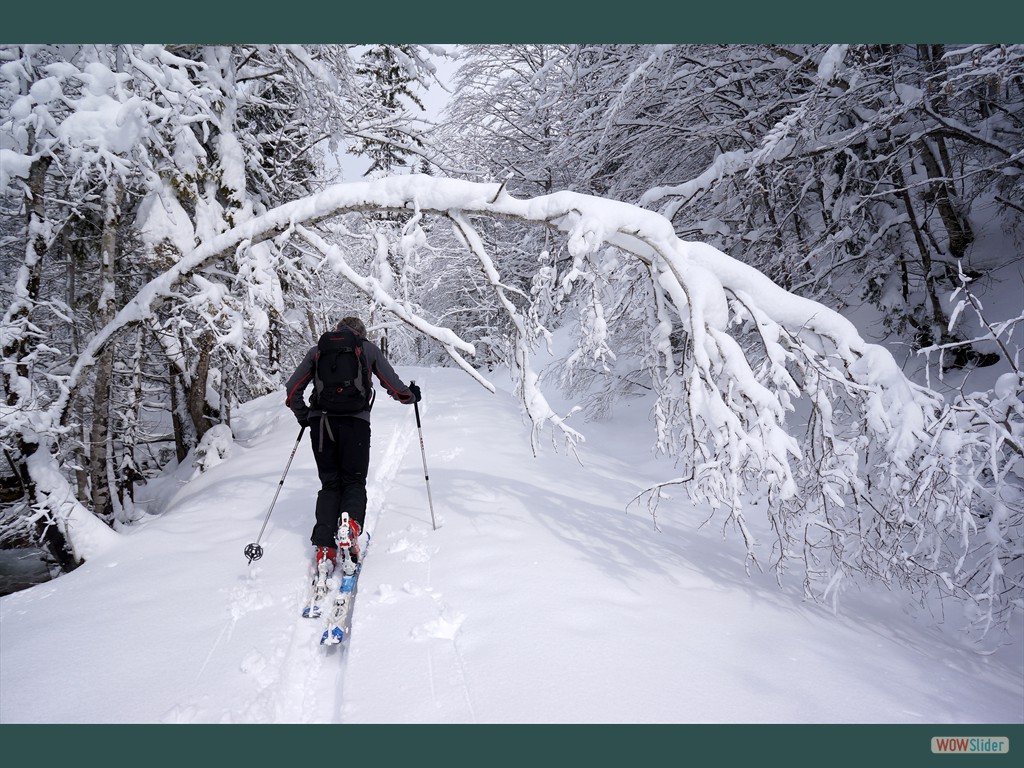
(525, 338)
(864, 481)
(375, 290)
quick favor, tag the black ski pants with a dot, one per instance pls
(341, 448)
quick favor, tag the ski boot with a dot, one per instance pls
(348, 545)
(326, 559)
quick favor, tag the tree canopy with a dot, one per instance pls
(685, 214)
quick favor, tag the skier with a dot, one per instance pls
(340, 434)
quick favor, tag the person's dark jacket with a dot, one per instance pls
(378, 365)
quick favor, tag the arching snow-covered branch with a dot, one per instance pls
(694, 277)
(729, 354)
(373, 288)
(534, 402)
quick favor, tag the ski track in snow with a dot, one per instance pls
(446, 669)
(293, 678)
(297, 683)
(439, 675)
(461, 624)
(445, 664)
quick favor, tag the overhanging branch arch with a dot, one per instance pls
(845, 494)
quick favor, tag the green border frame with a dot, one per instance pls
(531, 21)
(496, 746)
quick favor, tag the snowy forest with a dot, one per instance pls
(716, 225)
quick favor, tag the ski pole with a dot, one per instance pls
(423, 453)
(254, 551)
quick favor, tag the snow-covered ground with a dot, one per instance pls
(539, 598)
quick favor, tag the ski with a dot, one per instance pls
(339, 618)
(324, 583)
(336, 578)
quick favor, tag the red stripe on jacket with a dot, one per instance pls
(299, 386)
(394, 391)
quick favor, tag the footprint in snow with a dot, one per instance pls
(386, 594)
(445, 627)
(411, 589)
(248, 598)
(414, 553)
(253, 663)
(399, 546)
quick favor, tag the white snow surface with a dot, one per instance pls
(541, 597)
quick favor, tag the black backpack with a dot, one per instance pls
(341, 380)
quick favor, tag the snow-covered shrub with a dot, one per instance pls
(215, 447)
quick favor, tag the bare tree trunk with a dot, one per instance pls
(99, 436)
(311, 321)
(181, 442)
(934, 155)
(128, 473)
(274, 344)
(202, 413)
(17, 344)
(958, 231)
(938, 321)
(16, 347)
(70, 251)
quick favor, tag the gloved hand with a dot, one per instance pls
(416, 394)
(303, 421)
